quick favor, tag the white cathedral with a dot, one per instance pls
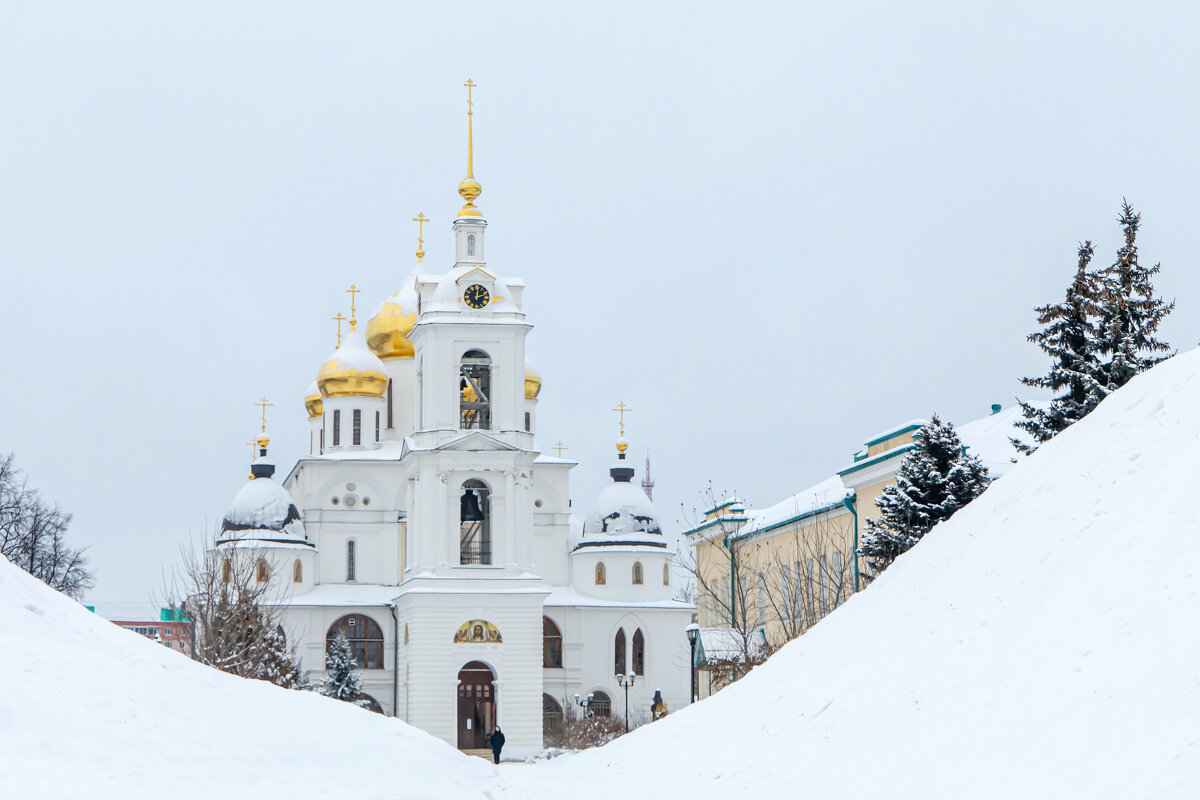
(426, 526)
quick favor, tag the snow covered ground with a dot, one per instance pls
(1043, 643)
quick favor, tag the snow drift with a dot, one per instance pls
(1043, 643)
(90, 711)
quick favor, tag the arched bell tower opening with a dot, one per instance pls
(475, 390)
(475, 524)
(476, 705)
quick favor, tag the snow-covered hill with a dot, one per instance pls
(90, 711)
(1043, 643)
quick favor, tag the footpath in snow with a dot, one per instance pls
(1043, 643)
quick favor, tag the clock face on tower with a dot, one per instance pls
(476, 296)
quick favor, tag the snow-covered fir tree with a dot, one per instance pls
(1130, 313)
(344, 682)
(1069, 337)
(935, 479)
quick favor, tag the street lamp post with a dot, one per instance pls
(625, 681)
(585, 703)
(693, 634)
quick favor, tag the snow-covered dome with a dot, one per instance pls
(352, 370)
(622, 513)
(263, 511)
(533, 381)
(388, 330)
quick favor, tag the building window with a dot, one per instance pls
(528, 421)
(262, 573)
(619, 653)
(350, 560)
(226, 571)
(297, 572)
(475, 525)
(638, 578)
(376, 426)
(785, 586)
(357, 427)
(471, 244)
(337, 427)
(551, 645)
(762, 600)
(600, 704)
(824, 577)
(601, 577)
(365, 637)
(322, 439)
(475, 390)
(389, 405)
(666, 574)
(838, 578)
(639, 653)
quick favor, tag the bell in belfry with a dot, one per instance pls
(470, 510)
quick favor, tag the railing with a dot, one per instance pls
(474, 554)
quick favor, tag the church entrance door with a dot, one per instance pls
(476, 705)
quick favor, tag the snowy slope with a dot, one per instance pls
(90, 711)
(1043, 643)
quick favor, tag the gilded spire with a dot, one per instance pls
(470, 188)
(353, 290)
(420, 219)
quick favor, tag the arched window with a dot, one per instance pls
(551, 645)
(226, 571)
(406, 633)
(639, 653)
(350, 565)
(471, 244)
(389, 405)
(638, 577)
(600, 705)
(337, 427)
(619, 653)
(666, 574)
(553, 722)
(262, 572)
(365, 637)
(356, 427)
(475, 390)
(377, 426)
(601, 576)
(297, 572)
(475, 524)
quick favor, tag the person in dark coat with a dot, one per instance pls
(497, 743)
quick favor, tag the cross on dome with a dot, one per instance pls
(420, 219)
(339, 319)
(353, 290)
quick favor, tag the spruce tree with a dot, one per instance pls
(1130, 313)
(343, 682)
(1069, 337)
(935, 479)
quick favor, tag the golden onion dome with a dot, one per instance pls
(312, 401)
(352, 370)
(533, 381)
(388, 330)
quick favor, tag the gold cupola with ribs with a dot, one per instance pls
(352, 369)
(533, 381)
(388, 330)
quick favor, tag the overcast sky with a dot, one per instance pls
(772, 230)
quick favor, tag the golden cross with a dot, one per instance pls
(353, 290)
(621, 409)
(264, 405)
(339, 319)
(560, 447)
(253, 452)
(470, 84)
(420, 219)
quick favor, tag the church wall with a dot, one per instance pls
(434, 660)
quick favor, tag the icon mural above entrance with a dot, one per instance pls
(477, 631)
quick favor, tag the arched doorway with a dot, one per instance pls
(476, 705)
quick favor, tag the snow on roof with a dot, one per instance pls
(819, 497)
(565, 596)
(989, 437)
(262, 505)
(445, 297)
(895, 430)
(345, 594)
(1051, 624)
(623, 511)
(727, 644)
